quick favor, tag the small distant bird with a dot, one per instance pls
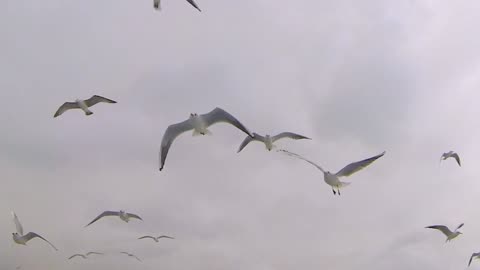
(21, 239)
(156, 238)
(474, 256)
(131, 255)
(85, 256)
(269, 140)
(82, 104)
(199, 124)
(333, 179)
(121, 214)
(446, 231)
(156, 4)
(451, 154)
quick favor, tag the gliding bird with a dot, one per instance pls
(199, 124)
(22, 239)
(86, 255)
(156, 4)
(121, 214)
(333, 179)
(451, 154)
(82, 104)
(269, 140)
(156, 238)
(446, 231)
(131, 255)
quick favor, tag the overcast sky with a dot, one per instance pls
(358, 77)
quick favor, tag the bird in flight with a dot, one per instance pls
(84, 256)
(332, 179)
(82, 104)
(199, 124)
(451, 154)
(22, 239)
(269, 140)
(156, 4)
(121, 214)
(156, 238)
(131, 255)
(446, 231)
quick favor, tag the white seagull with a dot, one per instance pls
(451, 154)
(474, 256)
(199, 124)
(333, 179)
(22, 239)
(156, 238)
(82, 104)
(131, 255)
(121, 214)
(446, 231)
(269, 140)
(156, 4)
(86, 255)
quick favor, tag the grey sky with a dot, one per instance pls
(358, 77)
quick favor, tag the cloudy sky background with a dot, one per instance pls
(358, 78)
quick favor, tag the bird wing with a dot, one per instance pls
(135, 257)
(357, 166)
(248, 139)
(130, 215)
(65, 107)
(288, 135)
(169, 136)
(220, 115)
(474, 255)
(126, 253)
(77, 255)
(444, 229)
(194, 4)
(93, 252)
(32, 235)
(156, 4)
(457, 158)
(302, 158)
(165, 236)
(147, 236)
(18, 225)
(96, 99)
(104, 214)
(459, 226)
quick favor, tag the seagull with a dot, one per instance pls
(22, 239)
(199, 124)
(156, 4)
(86, 255)
(269, 140)
(451, 154)
(333, 179)
(82, 104)
(121, 214)
(445, 230)
(131, 255)
(474, 256)
(156, 238)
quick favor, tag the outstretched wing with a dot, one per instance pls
(96, 99)
(290, 135)
(357, 166)
(444, 229)
(459, 226)
(18, 225)
(474, 255)
(302, 158)
(65, 107)
(220, 115)
(130, 215)
(169, 136)
(457, 158)
(138, 259)
(248, 139)
(165, 236)
(32, 235)
(194, 4)
(147, 236)
(93, 252)
(104, 214)
(77, 255)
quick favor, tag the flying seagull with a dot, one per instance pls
(269, 140)
(333, 179)
(199, 124)
(82, 104)
(446, 231)
(121, 214)
(22, 239)
(474, 256)
(156, 4)
(86, 255)
(156, 238)
(451, 154)
(131, 255)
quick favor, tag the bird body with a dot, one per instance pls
(269, 140)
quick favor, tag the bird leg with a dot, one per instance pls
(338, 190)
(334, 193)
